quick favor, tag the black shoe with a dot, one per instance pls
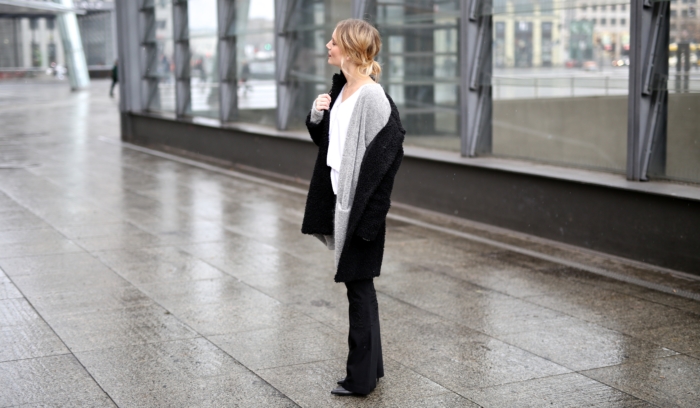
(342, 392)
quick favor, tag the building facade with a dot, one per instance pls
(582, 92)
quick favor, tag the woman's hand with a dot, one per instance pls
(323, 102)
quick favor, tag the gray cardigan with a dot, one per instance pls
(371, 114)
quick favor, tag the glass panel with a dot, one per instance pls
(165, 69)
(255, 39)
(420, 61)
(683, 135)
(310, 68)
(560, 82)
(204, 72)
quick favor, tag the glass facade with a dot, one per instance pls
(204, 73)
(547, 81)
(312, 24)
(254, 30)
(420, 60)
(682, 161)
(164, 69)
(560, 82)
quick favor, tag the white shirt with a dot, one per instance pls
(338, 131)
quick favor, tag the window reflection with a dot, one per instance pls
(204, 76)
(314, 23)
(255, 38)
(165, 67)
(560, 81)
(420, 58)
(682, 147)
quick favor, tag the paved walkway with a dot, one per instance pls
(136, 280)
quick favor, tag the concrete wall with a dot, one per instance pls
(683, 139)
(586, 132)
(591, 132)
(658, 229)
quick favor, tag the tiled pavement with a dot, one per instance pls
(134, 280)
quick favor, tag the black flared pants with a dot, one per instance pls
(365, 363)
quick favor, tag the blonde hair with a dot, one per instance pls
(360, 42)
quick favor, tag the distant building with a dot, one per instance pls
(34, 41)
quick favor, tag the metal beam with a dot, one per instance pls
(648, 94)
(475, 54)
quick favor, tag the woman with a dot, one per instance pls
(359, 134)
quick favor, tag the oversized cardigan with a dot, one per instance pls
(363, 247)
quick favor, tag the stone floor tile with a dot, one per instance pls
(24, 341)
(177, 296)
(54, 263)
(178, 373)
(683, 338)
(579, 345)
(9, 291)
(24, 334)
(427, 290)
(568, 390)
(665, 382)
(49, 381)
(103, 243)
(285, 346)
(95, 276)
(296, 285)
(520, 282)
(99, 230)
(38, 248)
(119, 327)
(460, 358)
(90, 300)
(17, 312)
(448, 400)
(20, 219)
(159, 264)
(614, 310)
(310, 385)
(497, 314)
(239, 256)
(227, 317)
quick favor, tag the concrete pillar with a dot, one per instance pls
(73, 47)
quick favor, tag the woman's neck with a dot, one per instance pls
(355, 81)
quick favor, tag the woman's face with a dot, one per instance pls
(335, 55)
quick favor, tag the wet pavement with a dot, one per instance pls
(141, 280)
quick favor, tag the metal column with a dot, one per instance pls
(475, 56)
(286, 12)
(129, 43)
(227, 61)
(181, 37)
(648, 94)
(73, 48)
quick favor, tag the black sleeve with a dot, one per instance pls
(316, 130)
(374, 216)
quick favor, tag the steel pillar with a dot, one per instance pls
(475, 91)
(286, 13)
(181, 37)
(73, 48)
(228, 89)
(648, 94)
(128, 52)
